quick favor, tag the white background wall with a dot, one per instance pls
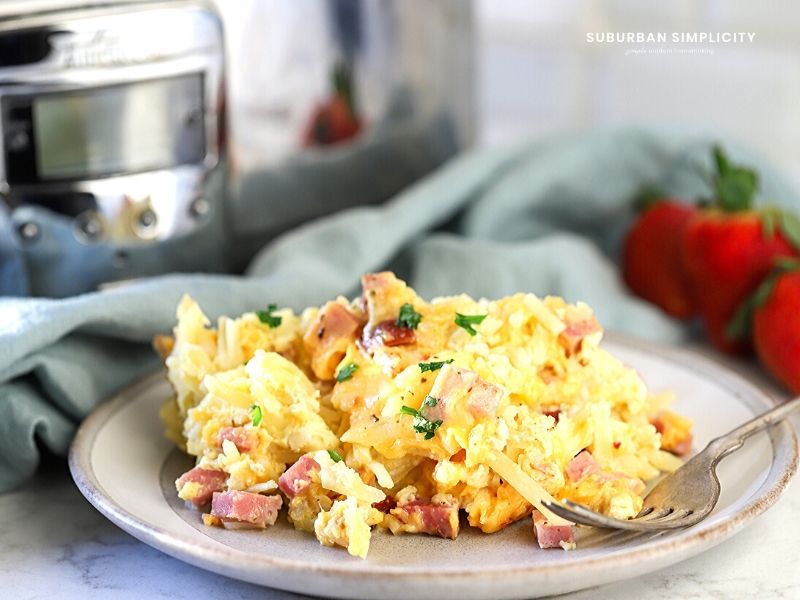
(538, 74)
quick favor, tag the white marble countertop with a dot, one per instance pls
(55, 545)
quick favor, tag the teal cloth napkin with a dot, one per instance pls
(545, 217)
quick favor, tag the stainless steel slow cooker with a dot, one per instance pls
(145, 137)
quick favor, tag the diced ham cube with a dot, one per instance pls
(205, 483)
(298, 477)
(683, 447)
(437, 519)
(244, 439)
(245, 507)
(580, 323)
(419, 516)
(383, 294)
(482, 397)
(388, 333)
(676, 437)
(328, 337)
(550, 536)
(582, 466)
(385, 505)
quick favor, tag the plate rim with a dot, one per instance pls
(224, 559)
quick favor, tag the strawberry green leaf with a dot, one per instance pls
(721, 159)
(736, 190)
(703, 202)
(790, 227)
(739, 327)
(343, 85)
(768, 225)
(764, 291)
(741, 323)
(647, 198)
(735, 186)
(787, 263)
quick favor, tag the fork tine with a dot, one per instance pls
(676, 515)
(578, 513)
(655, 514)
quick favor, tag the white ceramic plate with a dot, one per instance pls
(126, 469)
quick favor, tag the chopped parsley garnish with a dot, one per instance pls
(421, 423)
(266, 316)
(408, 317)
(434, 365)
(346, 372)
(256, 415)
(430, 401)
(467, 321)
(335, 456)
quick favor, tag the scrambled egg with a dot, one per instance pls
(411, 411)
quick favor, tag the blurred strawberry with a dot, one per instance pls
(727, 257)
(336, 119)
(730, 248)
(776, 323)
(651, 260)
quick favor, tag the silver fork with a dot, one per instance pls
(686, 496)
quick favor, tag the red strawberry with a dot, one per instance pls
(332, 122)
(726, 257)
(776, 325)
(335, 120)
(729, 249)
(651, 258)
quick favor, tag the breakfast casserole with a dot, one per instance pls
(389, 411)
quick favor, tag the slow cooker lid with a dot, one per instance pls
(10, 9)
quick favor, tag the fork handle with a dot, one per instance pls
(733, 440)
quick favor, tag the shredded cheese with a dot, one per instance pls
(527, 487)
(544, 315)
(381, 474)
(259, 488)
